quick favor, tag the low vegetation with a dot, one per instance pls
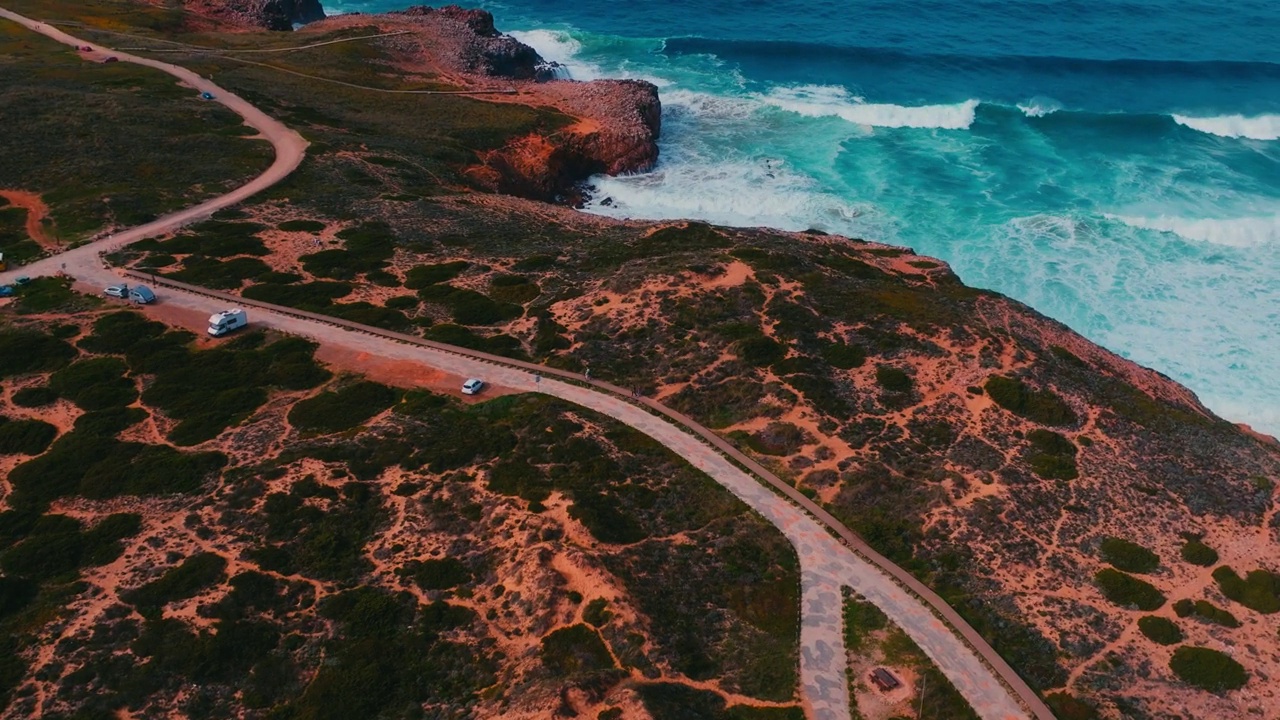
(1041, 406)
(1160, 630)
(1197, 553)
(1128, 556)
(1259, 590)
(1208, 669)
(1128, 591)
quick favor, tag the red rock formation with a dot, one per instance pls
(618, 121)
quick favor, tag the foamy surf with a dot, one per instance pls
(1039, 107)
(1260, 127)
(829, 101)
(1234, 232)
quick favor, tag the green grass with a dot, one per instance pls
(1160, 630)
(114, 143)
(17, 246)
(1127, 591)
(1208, 669)
(861, 618)
(1128, 556)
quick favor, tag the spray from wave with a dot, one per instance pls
(1039, 107)
(1235, 232)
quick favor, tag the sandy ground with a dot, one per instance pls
(37, 211)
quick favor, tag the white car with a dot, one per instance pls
(117, 291)
(472, 386)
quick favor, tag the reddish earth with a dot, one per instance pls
(37, 211)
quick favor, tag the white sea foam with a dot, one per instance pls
(829, 101)
(1039, 107)
(560, 47)
(1259, 127)
(1233, 232)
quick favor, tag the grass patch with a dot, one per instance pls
(1127, 591)
(1129, 556)
(1207, 669)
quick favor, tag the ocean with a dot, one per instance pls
(1114, 164)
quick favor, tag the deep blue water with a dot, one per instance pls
(1114, 164)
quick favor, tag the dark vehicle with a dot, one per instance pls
(111, 58)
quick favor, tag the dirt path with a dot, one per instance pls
(290, 149)
(827, 563)
(36, 212)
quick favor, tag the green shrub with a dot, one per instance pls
(469, 307)
(1052, 456)
(25, 437)
(1128, 591)
(1159, 629)
(1184, 608)
(673, 701)
(315, 296)
(1041, 406)
(117, 332)
(1258, 591)
(1215, 614)
(575, 650)
(1129, 556)
(219, 274)
(420, 276)
(95, 383)
(218, 239)
(597, 613)
(29, 351)
(760, 351)
(178, 583)
(343, 409)
(842, 356)
(893, 379)
(1207, 669)
(1068, 707)
(861, 618)
(1197, 553)
(438, 574)
(38, 396)
(311, 226)
(517, 289)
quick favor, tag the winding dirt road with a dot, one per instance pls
(827, 563)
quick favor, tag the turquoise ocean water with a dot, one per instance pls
(1115, 164)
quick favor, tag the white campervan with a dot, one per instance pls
(224, 322)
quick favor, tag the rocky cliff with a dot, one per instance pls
(616, 122)
(279, 15)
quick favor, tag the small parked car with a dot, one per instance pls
(472, 386)
(117, 291)
(141, 294)
(111, 58)
(206, 96)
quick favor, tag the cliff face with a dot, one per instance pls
(280, 15)
(618, 121)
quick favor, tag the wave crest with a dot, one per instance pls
(829, 101)
(1261, 127)
(1039, 107)
(1232, 232)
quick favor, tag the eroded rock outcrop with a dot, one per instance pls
(279, 15)
(617, 122)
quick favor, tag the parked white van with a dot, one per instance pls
(224, 322)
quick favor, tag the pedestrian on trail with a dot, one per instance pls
(587, 373)
(537, 378)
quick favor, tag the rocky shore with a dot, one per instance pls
(617, 121)
(281, 15)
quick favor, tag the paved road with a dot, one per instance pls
(826, 563)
